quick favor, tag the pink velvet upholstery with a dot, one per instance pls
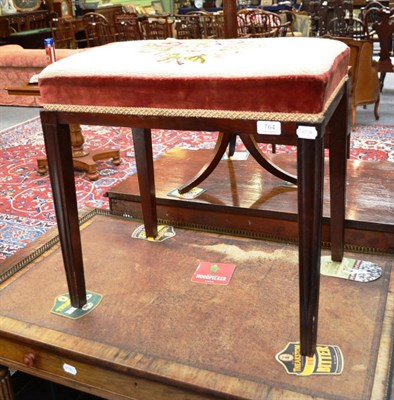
(17, 65)
(274, 75)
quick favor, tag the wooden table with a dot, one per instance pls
(83, 159)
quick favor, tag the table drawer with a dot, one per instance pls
(86, 377)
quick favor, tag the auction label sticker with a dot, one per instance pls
(269, 128)
(327, 360)
(64, 308)
(213, 273)
(191, 194)
(306, 132)
(349, 268)
(163, 232)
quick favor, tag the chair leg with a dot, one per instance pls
(382, 76)
(353, 117)
(376, 108)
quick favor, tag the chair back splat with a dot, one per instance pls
(157, 27)
(127, 26)
(63, 33)
(187, 26)
(384, 29)
(98, 30)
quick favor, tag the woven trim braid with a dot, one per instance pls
(200, 113)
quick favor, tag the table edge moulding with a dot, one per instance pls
(183, 85)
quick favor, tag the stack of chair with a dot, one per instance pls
(157, 27)
(187, 26)
(127, 26)
(63, 34)
(98, 30)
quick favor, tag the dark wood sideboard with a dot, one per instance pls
(23, 21)
(29, 29)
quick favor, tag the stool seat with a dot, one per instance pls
(233, 78)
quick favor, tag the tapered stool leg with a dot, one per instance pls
(310, 169)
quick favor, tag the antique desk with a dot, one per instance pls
(25, 28)
(293, 91)
(158, 335)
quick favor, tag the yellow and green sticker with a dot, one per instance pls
(163, 232)
(349, 268)
(64, 308)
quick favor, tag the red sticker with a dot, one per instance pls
(214, 273)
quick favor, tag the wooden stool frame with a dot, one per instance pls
(310, 171)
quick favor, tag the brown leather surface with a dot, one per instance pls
(150, 306)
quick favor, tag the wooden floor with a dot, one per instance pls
(242, 198)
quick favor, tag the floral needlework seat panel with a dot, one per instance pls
(221, 78)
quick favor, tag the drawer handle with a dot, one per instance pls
(28, 359)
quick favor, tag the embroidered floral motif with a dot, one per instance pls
(191, 51)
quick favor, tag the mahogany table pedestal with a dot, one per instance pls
(83, 159)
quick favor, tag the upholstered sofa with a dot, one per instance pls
(17, 66)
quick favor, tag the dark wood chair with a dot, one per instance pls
(243, 25)
(289, 17)
(371, 8)
(97, 29)
(187, 26)
(369, 15)
(322, 12)
(314, 10)
(63, 34)
(266, 24)
(127, 26)
(347, 27)
(208, 24)
(157, 27)
(218, 25)
(384, 29)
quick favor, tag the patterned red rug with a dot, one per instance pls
(26, 208)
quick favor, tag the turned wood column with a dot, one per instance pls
(230, 19)
(77, 141)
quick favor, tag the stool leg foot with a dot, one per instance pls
(116, 161)
(42, 166)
